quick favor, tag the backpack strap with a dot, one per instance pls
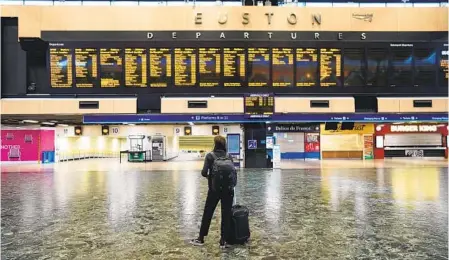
(214, 155)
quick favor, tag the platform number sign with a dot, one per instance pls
(114, 130)
(252, 144)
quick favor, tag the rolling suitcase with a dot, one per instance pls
(239, 233)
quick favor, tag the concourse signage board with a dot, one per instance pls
(276, 118)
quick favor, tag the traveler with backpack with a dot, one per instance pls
(222, 177)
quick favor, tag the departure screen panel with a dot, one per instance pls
(330, 67)
(259, 105)
(209, 67)
(136, 67)
(160, 67)
(443, 68)
(354, 66)
(234, 67)
(61, 72)
(258, 67)
(86, 67)
(282, 66)
(401, 67)
(185, 67)
(425, 69)
(377, 67)
(306, 67)
(111, 68)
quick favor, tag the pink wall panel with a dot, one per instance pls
(47, 140)
(20, 145)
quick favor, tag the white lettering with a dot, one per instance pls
(246, 35)
(222, 35)
(198, 34)
(414, 128)
(150, 35)
(173, 35)
(269, 35)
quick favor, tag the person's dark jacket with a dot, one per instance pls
(209, 162)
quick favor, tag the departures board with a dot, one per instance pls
(195, 66)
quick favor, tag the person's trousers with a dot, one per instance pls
(212, 200)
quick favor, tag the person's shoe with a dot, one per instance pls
(197, 242)
(223, 244)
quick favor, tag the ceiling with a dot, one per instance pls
(17, 120)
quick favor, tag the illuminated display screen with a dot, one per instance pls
(160, 68)
(136, 67)
(259, 105)
(282, 66)
(395, 65)
(354, 66)
(330, 67)
(234, 67)
(425, 69)
(61, 68)
(258, 67)
(377, 67)
(111, 68)
(443, 68)
(401, 67)
(209, 67)
(86, 67)
(306, 67)
(185, 67)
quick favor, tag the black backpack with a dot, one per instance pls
(223, 175)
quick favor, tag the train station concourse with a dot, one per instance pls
(334, 118)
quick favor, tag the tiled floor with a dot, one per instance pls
(100, 209)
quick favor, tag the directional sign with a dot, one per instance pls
(290, 118)
(252, 144)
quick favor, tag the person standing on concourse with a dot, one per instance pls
(213, 196)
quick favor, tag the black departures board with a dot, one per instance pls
(443, 68)
(209, 67)
(136, 67)
(185, 67)
(160, 67)
(330, 67)
(86, 67)
(61, 68)
(259, 105)
(282, 61)
(258, 67)
(111, 67)
(234, 67)
(275, 68)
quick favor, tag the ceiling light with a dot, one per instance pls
(64, 125)
(53, 121)
(30, 121)
(190, 123)
(47, 123)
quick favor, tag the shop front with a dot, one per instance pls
(411, 140)
(347, 141)
(296, 141)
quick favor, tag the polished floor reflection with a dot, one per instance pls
(94, 211)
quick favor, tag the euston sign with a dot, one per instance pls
(414, 128)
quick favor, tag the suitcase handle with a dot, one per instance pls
(234, 201)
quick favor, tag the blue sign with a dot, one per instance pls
(276, 118)
(252, 144)
(233, 143)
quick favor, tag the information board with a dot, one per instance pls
(185, 67)
(86, 67)
(425, 69)
(136, 67)
(330, 67)
(401, 67)
(354, 67)
(258, 67)
(160, 68)
(377, 67)
(444, 68)
(209, 67)
(234, 67)
(111, 67)
(259, 105)
(282, 66)
(306, 67)
(61, 68)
